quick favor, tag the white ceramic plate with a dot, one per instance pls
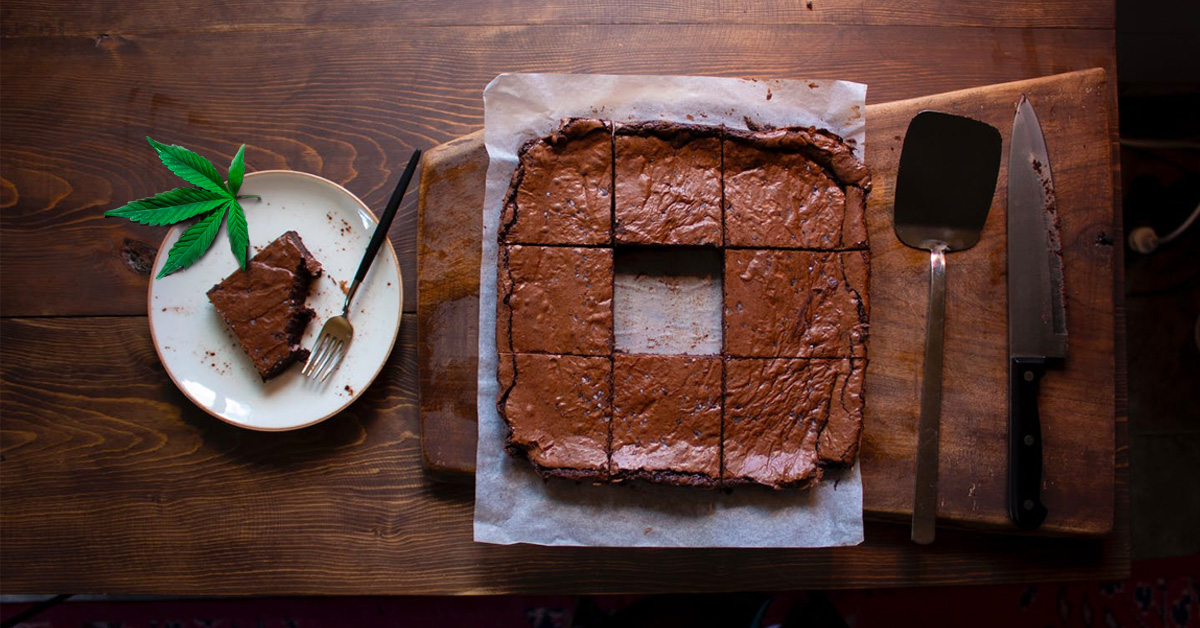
(201, 354)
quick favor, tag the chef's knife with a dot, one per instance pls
(1037, 324)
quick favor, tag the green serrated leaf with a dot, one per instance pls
(239, 232)
(190, 167)
(193, 243)
(170, 207)
(237, 170)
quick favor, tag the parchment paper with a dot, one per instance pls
(512, 503)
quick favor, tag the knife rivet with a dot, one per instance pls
(1029, 376)
(1028, 504)
(1028, 439)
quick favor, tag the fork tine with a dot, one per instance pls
(312, 356)
(323, 359)
(335, 358)
(315, 357)
(330, 347)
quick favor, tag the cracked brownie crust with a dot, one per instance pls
(555, 300)
(788, 188)
(786, 419)
(797, 304)
(561, 192)
(668, 184)
(784, 399)
(667, 418)
(558, 410)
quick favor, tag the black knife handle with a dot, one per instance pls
(1025, 443)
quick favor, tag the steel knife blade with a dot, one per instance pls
(1037, 322)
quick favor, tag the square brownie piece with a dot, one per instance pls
(555, 299)
(795, 304)
(263, 304)
(785, 419)
(780, 194)
(668, 184)
(558, 410)
(561, 191)
(667, 419)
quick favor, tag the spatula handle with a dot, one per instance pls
(925, 498)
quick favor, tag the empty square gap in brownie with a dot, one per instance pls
(668, 300)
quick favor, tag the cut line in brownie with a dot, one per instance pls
(668, 184)
(666, 419)
(558, 411)
(263, 304)
(797, 304)
(561, 190)
(555, 300)
(793, 188)
(787, 419)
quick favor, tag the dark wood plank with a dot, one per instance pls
(1078, 402)
(57, 17)
(448, 252)
(350, 108)
(114, 483)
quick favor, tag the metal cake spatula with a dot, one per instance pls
(944, 189)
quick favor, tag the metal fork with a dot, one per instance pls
(332, 342)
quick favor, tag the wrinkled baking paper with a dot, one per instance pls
(515, 505)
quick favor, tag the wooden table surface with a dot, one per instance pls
(112, 482)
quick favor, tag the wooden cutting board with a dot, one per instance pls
(1078, 400)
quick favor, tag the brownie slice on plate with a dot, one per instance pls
(264, 304)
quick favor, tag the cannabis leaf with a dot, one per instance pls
(193, 243)
(171, 207)
(190, 167)
(239, 233)
(211, 196)
(237, 169)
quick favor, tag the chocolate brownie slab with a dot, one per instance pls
(555, 299)
(667, 419)
(786, 418)
(558, 410)
(668, 184)
(783, 401)
(797, 304)
(561, 191)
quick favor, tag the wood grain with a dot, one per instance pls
(113, 17)
(352, 108)
(1078, 402)
(114, 483)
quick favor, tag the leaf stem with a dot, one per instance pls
(253, 196)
